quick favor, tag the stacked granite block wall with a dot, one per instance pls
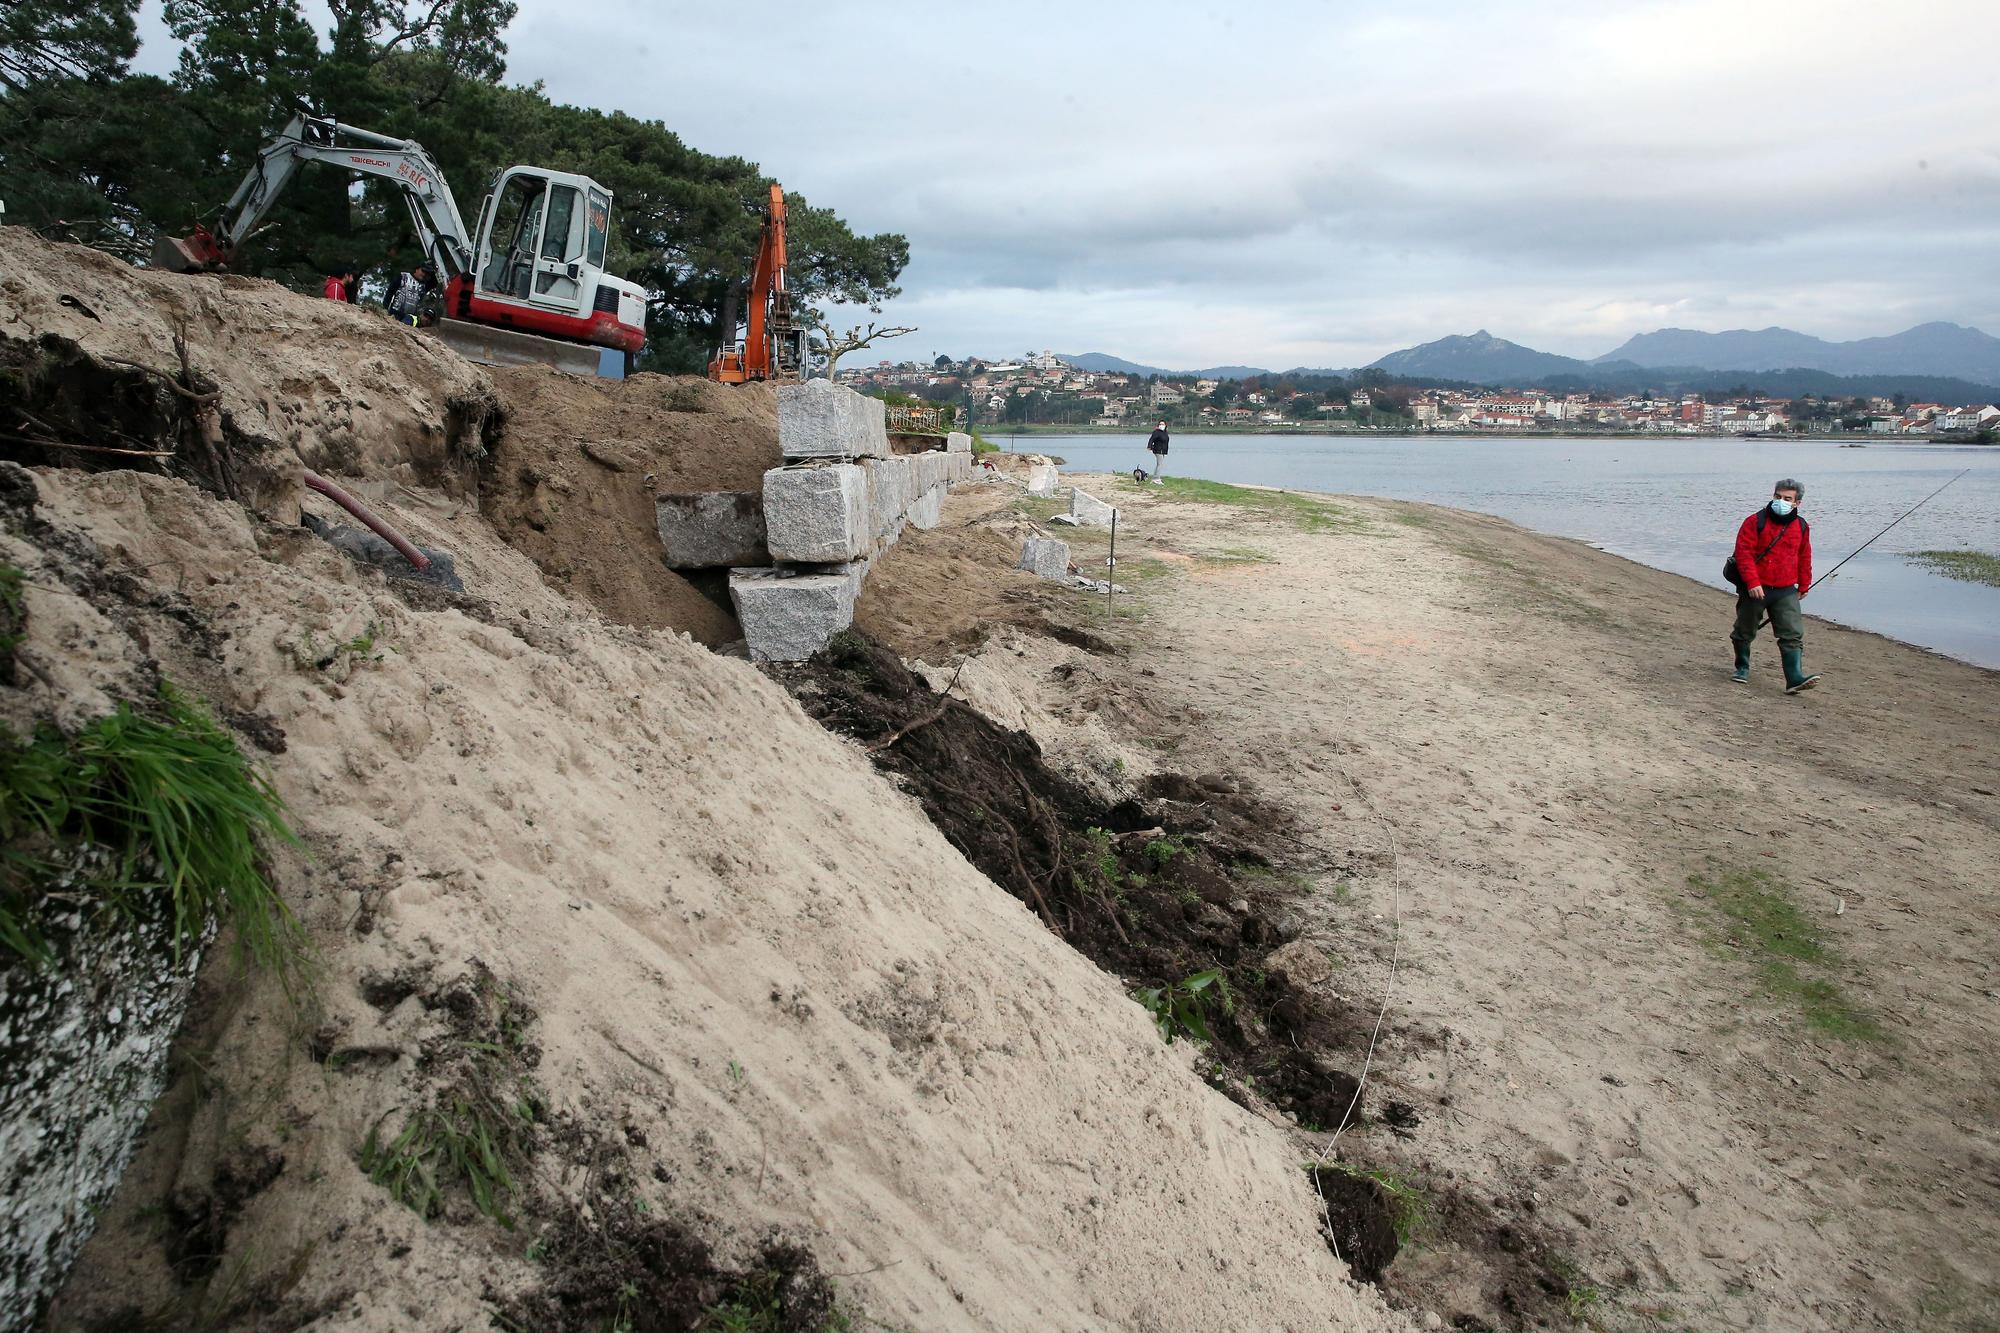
(841, 498)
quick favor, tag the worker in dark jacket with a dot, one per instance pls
(1774, 569)
(1156, 444)
(407, 294)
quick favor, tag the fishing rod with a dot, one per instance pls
(1878, 536)
(1870, 542)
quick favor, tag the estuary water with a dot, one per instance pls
(1672, 503)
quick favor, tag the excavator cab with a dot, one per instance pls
(539, 262)
(546, 228)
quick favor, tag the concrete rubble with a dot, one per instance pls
(1041, 479)
(712, 529)
(1045, 557)
(841, 499)
(1299, 965)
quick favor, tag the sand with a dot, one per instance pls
(752, 967)
(730, 976)
(1518, 750)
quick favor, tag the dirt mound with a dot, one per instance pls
(679, 432)
(572, 477)
(942, 592)
(90, 349)
(609, 931)
(336, 387)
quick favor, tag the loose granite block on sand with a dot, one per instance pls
(1045, 557)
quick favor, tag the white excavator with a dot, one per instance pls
(530, 288)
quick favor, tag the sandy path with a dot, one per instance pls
(1546, 733)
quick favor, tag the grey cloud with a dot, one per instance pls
(1319, 184)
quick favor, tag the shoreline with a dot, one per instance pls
(1545, 805)
(1857, 439)
(1584, 544)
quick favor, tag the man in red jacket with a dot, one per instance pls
(1774, 564)
(340, 283)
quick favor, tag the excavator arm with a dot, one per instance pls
(404, 162)
(771, 344)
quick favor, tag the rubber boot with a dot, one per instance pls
(1742, 676)
(1796, 678)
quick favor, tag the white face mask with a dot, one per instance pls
(1782, 508)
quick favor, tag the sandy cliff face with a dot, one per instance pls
(714, 967)
(320, 383)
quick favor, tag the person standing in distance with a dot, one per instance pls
(1773, 565)
(1156, 444)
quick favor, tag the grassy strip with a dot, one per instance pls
(13, 619)
(1965, 566)
(1766, 927)
(1305, 512)
(163, 813)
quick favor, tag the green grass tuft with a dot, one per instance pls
(159, 814)
(1766, 927)
(1965, 566)
(479, 1127)
(1308, 513)
(467, 1136)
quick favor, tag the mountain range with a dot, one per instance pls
(1927, 349)
(1951, 359)
(1104, 363)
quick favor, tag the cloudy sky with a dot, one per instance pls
(1320, 183)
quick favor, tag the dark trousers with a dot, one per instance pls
(1788, 621)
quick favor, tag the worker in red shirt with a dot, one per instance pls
(1773, 572)
(340, 283)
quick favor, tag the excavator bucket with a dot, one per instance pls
(187, 254)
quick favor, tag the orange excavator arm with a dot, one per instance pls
(770, 345)
(767, 285)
